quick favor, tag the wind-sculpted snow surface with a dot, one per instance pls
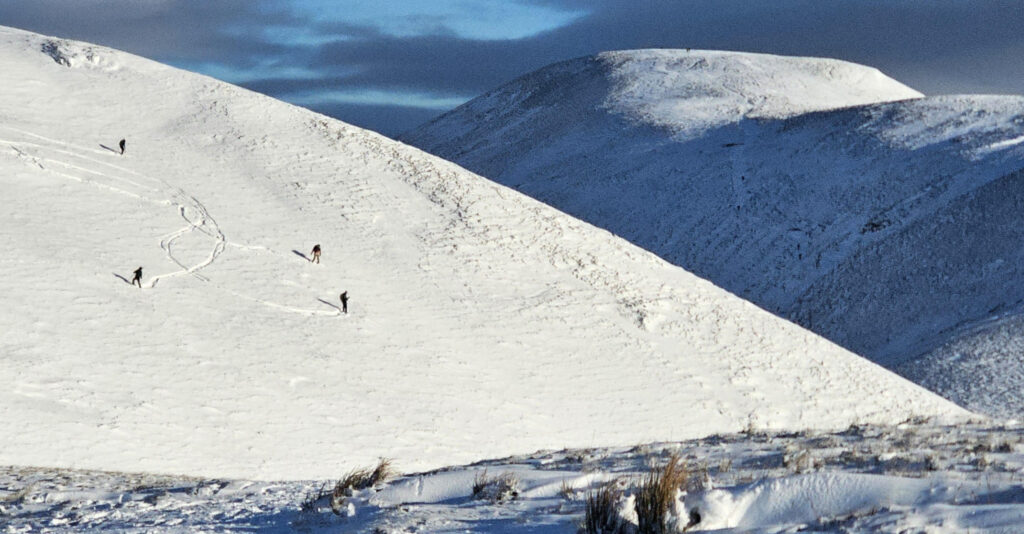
(890, 228)
(481, 322)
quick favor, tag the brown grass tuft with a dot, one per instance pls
(358, 479)
(656, 496)
(497, 489)
(602, 514)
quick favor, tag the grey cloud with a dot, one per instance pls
(953, 38)
(933, 45)
(435, 63)
(226, 31)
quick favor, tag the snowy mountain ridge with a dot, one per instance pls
(885, 221)
(481, 321)
(683, 93)
(702, 89)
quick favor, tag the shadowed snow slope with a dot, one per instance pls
(481, 321)
(981, 369)
(890, 228)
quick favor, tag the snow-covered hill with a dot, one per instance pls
(481, 321)
(890, 228)
(684, 94)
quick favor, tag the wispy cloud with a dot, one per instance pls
(320, 98)
(468, 19)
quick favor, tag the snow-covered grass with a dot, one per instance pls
(916, 477)
(820, 190)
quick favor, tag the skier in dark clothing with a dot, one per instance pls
(121, 144)
(344, 302)
(138, 278)
(316, 254)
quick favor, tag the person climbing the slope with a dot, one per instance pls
(121, 144)
(316, 254)
(137, 280)
(344, 302)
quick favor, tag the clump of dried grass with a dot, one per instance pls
(500, 488)
(656, 496)
(356, 480)
(602, 513)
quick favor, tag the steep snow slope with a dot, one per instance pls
(481, 323)
(889, 228)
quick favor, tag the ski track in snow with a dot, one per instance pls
(203, 221)
(188, 207)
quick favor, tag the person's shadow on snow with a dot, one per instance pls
(123, 279)
(114, 150)
(301, 255)
(331, 305)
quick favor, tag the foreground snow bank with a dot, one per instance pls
(910, 478)
(806, 498)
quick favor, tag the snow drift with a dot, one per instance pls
(818, 189)
(481, 322)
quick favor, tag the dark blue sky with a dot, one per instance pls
(389, 65)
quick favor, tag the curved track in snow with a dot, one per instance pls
(43, 152)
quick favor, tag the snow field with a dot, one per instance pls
(482, 323)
